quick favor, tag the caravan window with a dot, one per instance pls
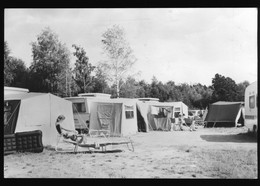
(129, 112)
(252, 101)
(79, 107)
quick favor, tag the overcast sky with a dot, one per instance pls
(185, 45)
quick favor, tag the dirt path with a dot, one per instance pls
(205, 153)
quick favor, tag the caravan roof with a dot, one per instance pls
(22, 96)
(227, 103)
(148, 99)
(14, 90)
(94, 95)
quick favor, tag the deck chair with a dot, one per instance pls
(74, 138)
(79, 140)
(105, 134)
(200, 122)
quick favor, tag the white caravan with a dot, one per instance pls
(81, 109)
(251, 104)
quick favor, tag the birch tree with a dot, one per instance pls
(120, 55)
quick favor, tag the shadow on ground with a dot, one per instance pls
(235, 138)
(93, 151)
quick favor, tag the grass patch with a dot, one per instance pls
(228, 163)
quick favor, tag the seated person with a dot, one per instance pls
(68, 134)
(181, 121)
(192, 126)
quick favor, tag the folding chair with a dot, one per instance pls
(73, 139)
(105, 133)
(82, 141)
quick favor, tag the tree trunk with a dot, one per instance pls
(84, 86)
(117, 88)
(117, 81)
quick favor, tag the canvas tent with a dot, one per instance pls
(153, 115)
(118, 116)
(225, 114)
(179, 108)
(37, 111)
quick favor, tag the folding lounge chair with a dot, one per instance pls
(82, 141)
(105, 133)
(72, 140)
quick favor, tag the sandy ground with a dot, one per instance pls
(204, 153)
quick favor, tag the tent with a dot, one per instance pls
(37, 111)
(179, 108)
(225, 114)
(118, 116)
(153, 115)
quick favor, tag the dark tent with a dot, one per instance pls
(225, 114)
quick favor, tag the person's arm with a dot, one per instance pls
(67, 130)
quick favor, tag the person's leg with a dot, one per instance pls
(181, 126)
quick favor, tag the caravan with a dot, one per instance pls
(251, 104)
(98, 112)
(81, 108)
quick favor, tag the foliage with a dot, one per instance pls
(20, 73)
(50, 72)
(225, 89)
(15, 71)
(200, 96)
(83, 69)
(143, 89)
(119, 53)
(194, 96)
(8, 76)
(50, 60)
(241, 87)
(100, 83)
(129, 88)
(67, 84)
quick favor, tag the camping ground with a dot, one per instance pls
(205, 153)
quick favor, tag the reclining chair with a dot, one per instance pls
(79, 140)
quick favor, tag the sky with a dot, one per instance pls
(184, 45)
